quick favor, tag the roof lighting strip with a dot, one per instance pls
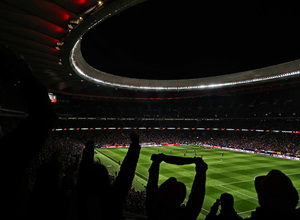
(80, 72)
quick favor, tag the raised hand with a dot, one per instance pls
(201, 166)
(158, 158)
(134, 137)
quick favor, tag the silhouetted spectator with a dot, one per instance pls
(277, 197)
(47, 196)
(20, 146)
(165, 202)
(227, 211)
(98, 199)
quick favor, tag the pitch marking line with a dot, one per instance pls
(141, 175)
(238, 192)
(223, 157)
(223, 185)
(235, 182)
(202, 209)
(216, 161)
(246, 211)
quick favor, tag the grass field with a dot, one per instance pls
(233, 173)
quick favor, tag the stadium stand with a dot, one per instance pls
(47, 167)
(71, 133)
(265, 121)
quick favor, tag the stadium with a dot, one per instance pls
(213, 84)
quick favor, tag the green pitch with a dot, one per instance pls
(233, 173)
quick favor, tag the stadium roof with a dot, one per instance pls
(166, 49)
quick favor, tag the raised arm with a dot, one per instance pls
(87, 156)
(152, 185)
(124, 180)
(197, 194)
(213, 210)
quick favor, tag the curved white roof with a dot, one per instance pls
(47, 34)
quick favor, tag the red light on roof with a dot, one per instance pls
(58, 29)
(80, 2)
(65, 16)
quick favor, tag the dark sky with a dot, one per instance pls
(184, 39)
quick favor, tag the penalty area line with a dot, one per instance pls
(202, 209)
(224, 185)
(238, 192)
(246, 211)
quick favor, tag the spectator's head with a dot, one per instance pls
(48, 176)
(276, 191)
(100, 177)
(172, 192)
(226, 200)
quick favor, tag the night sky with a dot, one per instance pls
(184, 39)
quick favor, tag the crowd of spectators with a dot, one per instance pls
(285, 143)
(276, 103)
(234, 123)
(52, 175)
(135, 202)
(66, 148)
(267, 141)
